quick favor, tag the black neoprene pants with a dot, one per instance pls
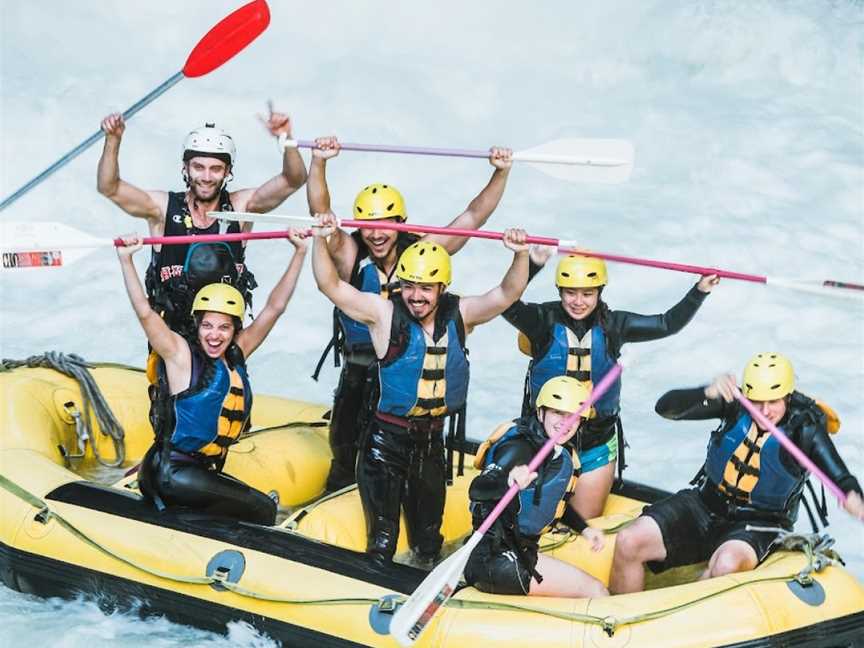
(194, 486)
(346, 424)
(405, 469)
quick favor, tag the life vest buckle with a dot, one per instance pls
(609, 624)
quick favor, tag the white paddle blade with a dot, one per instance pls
(608, 161)
(44, 245)
(420, 608)
(251, 217)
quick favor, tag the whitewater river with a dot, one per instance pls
(748, 123)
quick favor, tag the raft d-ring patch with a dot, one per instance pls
(812, 593)
(381, 613)
(226, 566)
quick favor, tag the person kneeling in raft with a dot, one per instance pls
(748, 480)
(578, 335)
(422, 368)
(507, 560)
(210, 397)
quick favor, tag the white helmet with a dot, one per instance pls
(210, 141)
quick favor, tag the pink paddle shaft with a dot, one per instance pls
(554, 242)
(599, 389)
(794, 450)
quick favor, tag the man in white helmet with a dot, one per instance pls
(209, 155)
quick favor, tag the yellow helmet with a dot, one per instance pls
(576, 271)
(768, 376)
(566, 394)
(379, 201)
(219, 298)
(424, 262)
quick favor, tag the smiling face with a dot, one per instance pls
(421, 298)
(205, 176)
(215, 333)
(381, 243)
(579, 303)
(553, 420)
(773, 410)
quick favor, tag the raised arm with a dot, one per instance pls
(342, 247)
(480, 209)
(273, 192)
(642, 328)
(251, 337)
(369, 308)
(134, 201)
(163, 340)
(699, 403)
(480, 309)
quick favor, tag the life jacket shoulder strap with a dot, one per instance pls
(496, 435)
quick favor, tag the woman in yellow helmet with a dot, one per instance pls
(367, 260)
(507, 560)
(579, 336)
(202, 401)
(748, 479)
(422, 377)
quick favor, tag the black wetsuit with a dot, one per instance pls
(506, 559)
(172, 473)
(537, 321)
(695, 521)
(351, 406)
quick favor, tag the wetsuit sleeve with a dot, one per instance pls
(573, 520)
(633, 327)
(491, 484)
(824, 454)
(693, 405)
(528, 319)
(533, 269)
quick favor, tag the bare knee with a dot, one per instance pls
(630, 545)
(730, 562)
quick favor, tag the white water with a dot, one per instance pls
(747, 120)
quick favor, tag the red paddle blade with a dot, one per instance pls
(227, 38)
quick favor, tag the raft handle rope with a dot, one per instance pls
(93, 402)
(816, 548)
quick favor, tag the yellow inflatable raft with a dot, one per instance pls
(70, 525)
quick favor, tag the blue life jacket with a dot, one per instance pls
(211, 414)
(416, 379)
(558, 480)
(747, 469)
(554, 363)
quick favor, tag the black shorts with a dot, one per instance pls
(692, 532)
(501, 572)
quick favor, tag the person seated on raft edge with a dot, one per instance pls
(210, 395)
(507, 560)
(748, 478)
(578, 335)
(422, 369)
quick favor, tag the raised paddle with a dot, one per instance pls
(790, 447)
(227, 38)
(828, 287)
(412, 617)
(588, 160)
(53, 245)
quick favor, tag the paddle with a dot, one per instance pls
(227, 38)
(794, 450)
(52, 245)
(825, 287)
(412, 617)
(587, 160)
